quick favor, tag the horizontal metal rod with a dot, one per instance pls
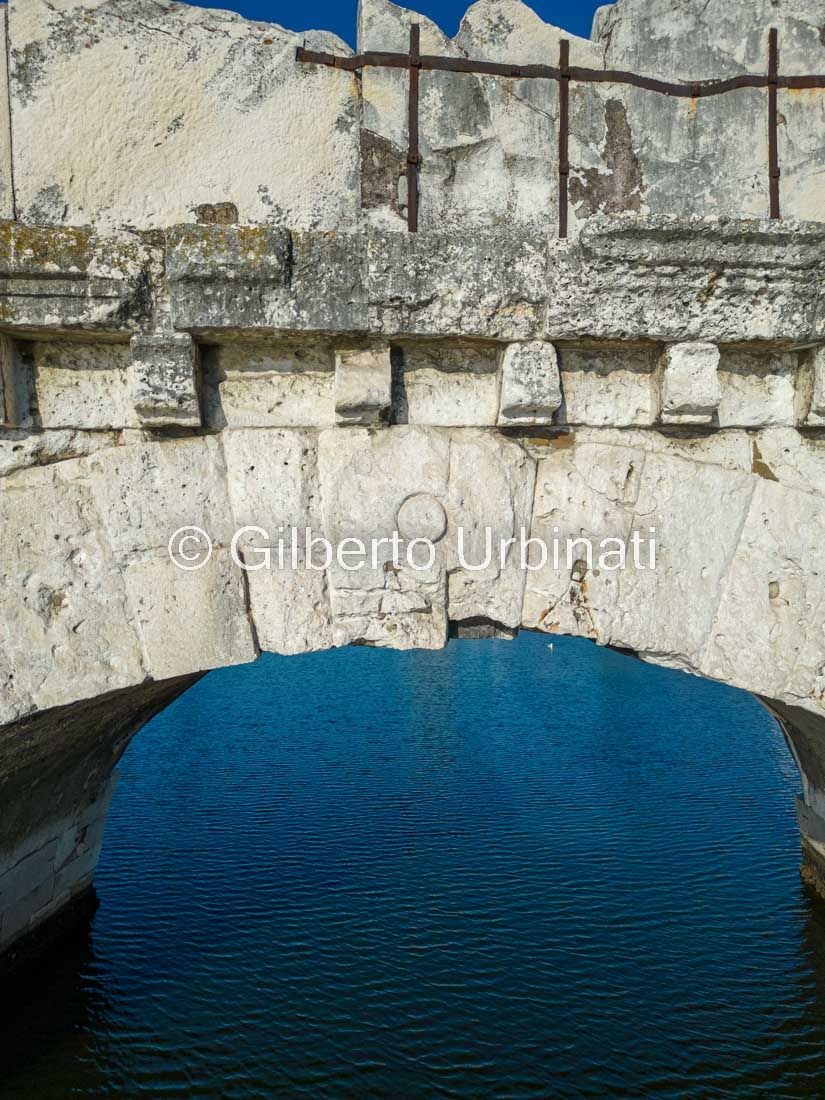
(700, 89)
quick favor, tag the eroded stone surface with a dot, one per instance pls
(165, 383)
(689, 383)
(184, 108)
(530, 384)
(363, 386)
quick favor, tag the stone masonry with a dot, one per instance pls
(199, 328)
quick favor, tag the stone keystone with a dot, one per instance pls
(363, 386)
(164, 380)
(530, 384)
(689, 383)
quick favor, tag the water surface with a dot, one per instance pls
(498, 871)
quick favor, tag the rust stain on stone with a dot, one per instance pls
(759, 467)
(382, 166)
(218, 213)
(620, 189)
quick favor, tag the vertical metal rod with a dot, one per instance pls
(773, 121)
(413, 154)
(564, 128)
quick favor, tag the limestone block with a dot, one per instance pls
(583, 492)
(273, 485)
(63, 279)
(446, 398)
(190, 621)
(488, 143)
(758, 389)
(165, 381)
(269, 387)
(689, 383)
(726, 135)
(84, 386)
(20, 449)
(608, 387)
(185, 108)
(769, 630)
(697, 511)
(490, 284)
(66, 632)
(251, 278)
(147, 491)
(366, 477)
(490, 501)
(813, 365)
(363, 386)
(530, 384)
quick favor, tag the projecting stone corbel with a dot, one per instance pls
(689, 386)
(164, 381)
(530, 384)
(363, 386)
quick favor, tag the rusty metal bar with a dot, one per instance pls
(564, 133)
(696, 90)
(773, 120)
(413, 152)
(415, 62)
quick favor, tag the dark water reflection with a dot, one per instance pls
(499, 871)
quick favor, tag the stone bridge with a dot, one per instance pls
(244, 342)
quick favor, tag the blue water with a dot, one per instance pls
(499, 871)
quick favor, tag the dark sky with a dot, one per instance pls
(339, 15)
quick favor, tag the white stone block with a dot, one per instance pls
(363, 386)
(689, 383)
(530, 384)
(80, 385)
(228, 118)
(165, 380)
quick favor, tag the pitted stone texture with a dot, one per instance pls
(66, 629)
(492, 480)
(365, 477)
(79, 385)
(758, 389)
(183, 107)
(363, 386)
(273, 485)
(488, 143)
(190, 620)
(608, 386)
(712, 154)
(491, 284)
(530, 384)
(770, 623)
(273, 385)
(63, 279)
(689, 383)
(165, 381)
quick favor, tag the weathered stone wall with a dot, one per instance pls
(655, 373)
(146, 112)
(318, 366)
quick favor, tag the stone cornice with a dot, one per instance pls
(625, 278)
